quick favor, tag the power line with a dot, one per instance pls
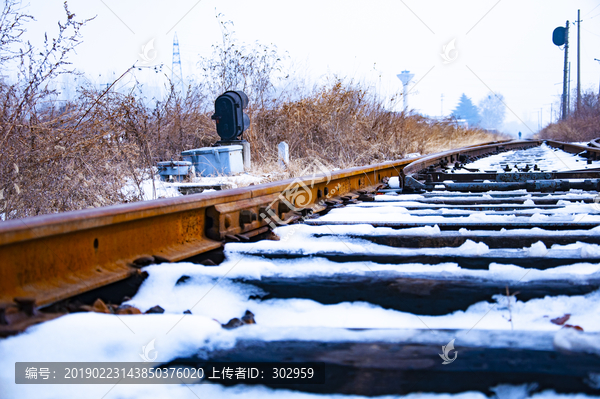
(589, 12)
(594, 16)
(589, 31)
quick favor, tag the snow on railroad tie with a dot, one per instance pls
(305, 242)
(220, 293)
(399, 214)
(515, 210)
(559, 211)
(234, 296)
(497, 198)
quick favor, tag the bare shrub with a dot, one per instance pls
(181, 121)
(38, 171)
(238, 66)
(581, 125)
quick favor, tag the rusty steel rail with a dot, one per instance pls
(52, 257)
(590, 152)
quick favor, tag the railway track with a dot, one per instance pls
(477, 269)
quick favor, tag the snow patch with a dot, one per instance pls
(571, 340)
(590, 251)
(473, 248)
(537, 249)
(155, 188)
(505, 391)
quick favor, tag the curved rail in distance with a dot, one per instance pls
(594, 143)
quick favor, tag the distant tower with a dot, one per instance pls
(176, 74)
(405, 77)
(442, 107)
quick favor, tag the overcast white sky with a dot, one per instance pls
(504, 46)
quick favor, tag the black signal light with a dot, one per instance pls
(229, 114)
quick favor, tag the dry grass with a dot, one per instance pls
(343, 125)
(581, 125)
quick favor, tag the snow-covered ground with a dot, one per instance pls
(156, 188)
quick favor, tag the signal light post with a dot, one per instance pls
(232, 121)
(560, 36)
(565, 109)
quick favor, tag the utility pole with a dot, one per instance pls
(565, 72)
(578, 62)
(596, 59)
(569, 92)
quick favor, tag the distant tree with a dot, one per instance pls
(466, 110)
(492, 111)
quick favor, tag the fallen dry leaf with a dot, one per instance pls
(561, 320)
(572, 326)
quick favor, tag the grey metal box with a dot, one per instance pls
(213, 161)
